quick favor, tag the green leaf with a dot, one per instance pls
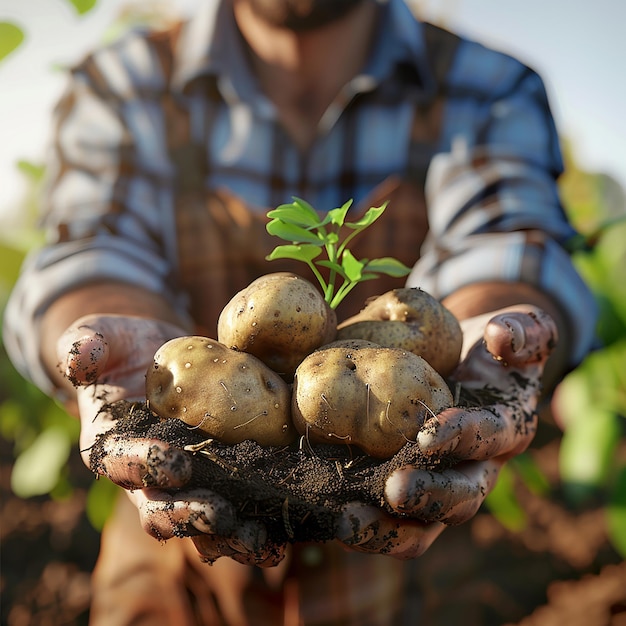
(353, 268)
(369, 218)
(34, 171)
(304, 206)
(503, 503)
(531, 474)
(291, 232)
(330, 239)
(82, 6)
(586, 454)
(101, 499)
(37, 470)
(334, 267)
(10, 263)
(304, 253)
(389, 266)
(337, 216)
(11, 37)
(293, 214)
(616, 514)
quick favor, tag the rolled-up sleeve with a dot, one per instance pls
(494, 207)
(107, 212)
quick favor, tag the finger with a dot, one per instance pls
(140, 462)
(249, 545)
(96, 344)
(366, 528)
(511, 342)
(165, 515)
(479, 433)
(452, 496)
(83, 354)
(521, 338)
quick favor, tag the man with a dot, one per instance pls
(169, 150)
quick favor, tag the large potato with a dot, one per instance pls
(356, 392)
(230, 395)
(280, 318)
(410, 319)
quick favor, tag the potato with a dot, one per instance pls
(280, 318)
(230, 395)
(410, 319)
(356, 392)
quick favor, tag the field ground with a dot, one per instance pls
(559, 570)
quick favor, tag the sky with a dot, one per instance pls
(577, 46)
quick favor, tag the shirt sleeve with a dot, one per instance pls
(493, 202)
(107, 211)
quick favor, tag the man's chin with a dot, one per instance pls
(302, 15)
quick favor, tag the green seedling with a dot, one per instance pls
(311, 234)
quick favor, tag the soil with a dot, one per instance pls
(296, 490)
(560, 568)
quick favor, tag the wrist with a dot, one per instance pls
(486, 297)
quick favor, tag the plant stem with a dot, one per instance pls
(325, 287)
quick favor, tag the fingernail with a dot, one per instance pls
(430, 443)
(85, 358)
(402, 491)
(518, 335)
(347, 528)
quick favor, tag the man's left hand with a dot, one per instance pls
(503, 365)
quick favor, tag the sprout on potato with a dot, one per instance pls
(229, 395)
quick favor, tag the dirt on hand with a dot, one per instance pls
(298, 490)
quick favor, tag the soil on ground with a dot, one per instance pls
(559, 568)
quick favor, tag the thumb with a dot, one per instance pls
(83, 353)
(520, 337)
(98, 343)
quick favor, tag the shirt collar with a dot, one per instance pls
(400, 40)
(205, 43)
(210, 45)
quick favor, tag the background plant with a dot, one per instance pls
(589, 405)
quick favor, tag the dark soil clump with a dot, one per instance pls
(297, 491)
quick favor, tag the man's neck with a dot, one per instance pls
(303, 72)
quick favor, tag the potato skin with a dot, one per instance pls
(410, 319)
(229, 395)
(356, 392)
(280, 318)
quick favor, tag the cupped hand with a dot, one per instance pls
(503, 362)
(106, 358)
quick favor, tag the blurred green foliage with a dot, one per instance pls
(11, 36)
(590, 403)
(38, 427)
(82, 6)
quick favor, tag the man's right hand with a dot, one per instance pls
(106, 358)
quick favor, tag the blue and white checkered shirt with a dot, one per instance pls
(477, 148)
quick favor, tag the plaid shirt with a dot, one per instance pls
(476, 120)
(167, 156)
